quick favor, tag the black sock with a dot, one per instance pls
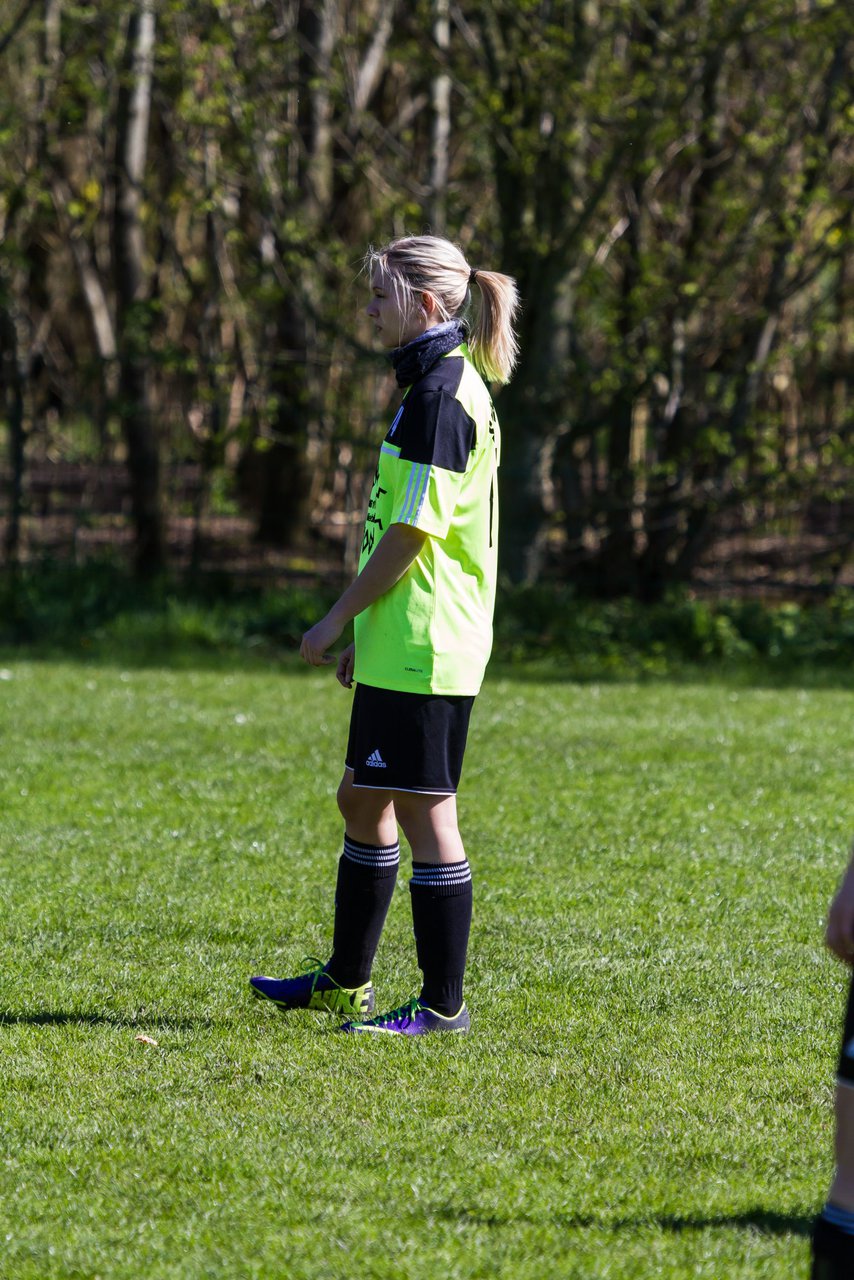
(441, 914)
(832, 1249)
(366, 878)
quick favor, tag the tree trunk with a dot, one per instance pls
(524, 445)
(132, 294)
(617, 569)
(317, 32)
(12, 384)
(441, 93)
(284, 488)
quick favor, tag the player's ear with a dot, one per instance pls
(429, 306)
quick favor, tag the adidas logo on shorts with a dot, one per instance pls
(376, 760)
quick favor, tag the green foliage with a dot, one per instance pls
(670, 239)
(625, 636)
(670, 188)
(100, 608)
(100, 611)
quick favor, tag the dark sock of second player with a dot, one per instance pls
(832, 1251)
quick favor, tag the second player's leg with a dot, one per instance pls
(833, 1233)
(842, 1187)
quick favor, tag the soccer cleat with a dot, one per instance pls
(412, 1019)
(314, 989)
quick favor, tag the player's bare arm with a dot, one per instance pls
(395, 552)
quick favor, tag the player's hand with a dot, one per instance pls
(840, 921)
(315, 642)
(346, 661)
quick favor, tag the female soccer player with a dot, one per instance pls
(833, 1232)
(422, 608)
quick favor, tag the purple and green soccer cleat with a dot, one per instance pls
(412, 1019)
(314, 989)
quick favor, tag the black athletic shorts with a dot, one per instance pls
(407, 741)
(846, 1051)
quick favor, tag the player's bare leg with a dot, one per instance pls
(430, 825)
(368, 814)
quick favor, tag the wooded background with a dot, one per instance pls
(186, 194)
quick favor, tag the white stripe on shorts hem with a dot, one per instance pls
(410, 791)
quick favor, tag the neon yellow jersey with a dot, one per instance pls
(432, 632)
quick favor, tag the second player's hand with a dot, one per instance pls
(346, 662)
(840, 921)
(318, 640)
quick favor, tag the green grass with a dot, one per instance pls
(647, 1089)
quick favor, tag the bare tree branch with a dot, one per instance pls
(372, 64)
(19, 21)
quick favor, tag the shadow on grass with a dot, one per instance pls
(765, 1221)
(133, 1022)
(761, 1220)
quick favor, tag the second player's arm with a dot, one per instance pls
(840, 920)
(395, 552)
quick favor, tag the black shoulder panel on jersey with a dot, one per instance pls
(436, 429)
(445, 375)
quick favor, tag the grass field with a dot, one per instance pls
(647, 1089)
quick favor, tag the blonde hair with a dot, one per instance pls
(431, 264)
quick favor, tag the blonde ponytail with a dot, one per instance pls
(431, 264)
(493, 344)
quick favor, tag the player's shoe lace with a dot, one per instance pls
(314, 988)
(412, 1019)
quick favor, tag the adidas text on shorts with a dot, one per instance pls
(407, 741)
